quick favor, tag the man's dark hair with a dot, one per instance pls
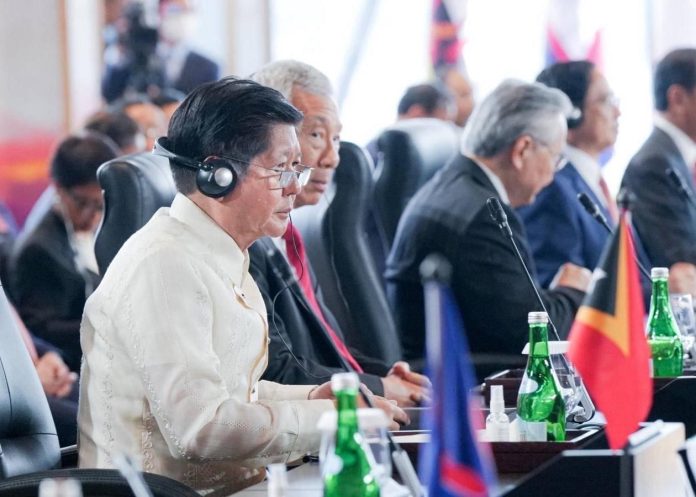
(116, 125)
(572, 78)
(429, 96)
(677, 68)
(231, 117)
(78, 157)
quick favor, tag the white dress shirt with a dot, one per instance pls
(588, 168)
(497, 183)
(685, 145)
(175, 339)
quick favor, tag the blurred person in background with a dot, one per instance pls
(662, 216)
(152, 52)
(459, 85)
(150, 118)
(53, 268)
(558, 227)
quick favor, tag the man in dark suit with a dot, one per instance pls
(171, 63)
(664, 219)
(558, 227)
(306, 343)
(53, 269)
(513, 143)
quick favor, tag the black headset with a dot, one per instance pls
(216, 177)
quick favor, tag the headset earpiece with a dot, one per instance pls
(574, 119)
(215, 177)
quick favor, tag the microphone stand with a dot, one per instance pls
(498, 215)
(593, 210)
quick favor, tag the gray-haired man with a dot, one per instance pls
(511, 148)
(306, 340)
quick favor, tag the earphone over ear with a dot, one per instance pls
(574, 119)
(215, 176)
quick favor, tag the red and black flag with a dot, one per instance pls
(607, 341)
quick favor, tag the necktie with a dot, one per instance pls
(609, 200)
(298, 259)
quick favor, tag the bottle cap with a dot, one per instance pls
(659, 272)
(537, 318)
(344, 381)
(497, 400)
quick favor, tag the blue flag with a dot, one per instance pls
(453, 463)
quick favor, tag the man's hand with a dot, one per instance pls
(573, 276)
(56, 378)
(682, 278)
(407, 388)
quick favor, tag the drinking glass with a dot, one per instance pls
(569, 382)
(683, 310)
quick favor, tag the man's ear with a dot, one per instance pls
(520, 147)
(676, 94)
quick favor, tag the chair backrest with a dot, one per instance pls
(135, 187)
(28, 439)
(410, 153)
(334, 235)
(96, 483)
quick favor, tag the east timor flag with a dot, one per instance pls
(607, 340)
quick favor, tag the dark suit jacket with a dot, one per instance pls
(559, 230)
(294, 326)
(197, 69)
(665, 221)
(449, 216)
(48, 289)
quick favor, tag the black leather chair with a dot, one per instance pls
(410, 153)
(28, 439)
(134, 187)
(336, 244)
(29, 449)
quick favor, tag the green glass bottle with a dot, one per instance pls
(349, 473)
(663, 332)
(539, 398)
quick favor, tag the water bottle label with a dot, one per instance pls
(532, 431)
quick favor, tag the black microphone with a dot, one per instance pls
(679, 182)
(498, 215)
(593, 210)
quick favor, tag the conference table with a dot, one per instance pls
(649, 467)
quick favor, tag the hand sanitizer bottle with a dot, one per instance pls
(497, 422)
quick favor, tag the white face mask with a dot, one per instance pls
(177, 27)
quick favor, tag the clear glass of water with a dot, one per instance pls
(569, 382)
(683, 310)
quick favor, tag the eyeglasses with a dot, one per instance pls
(608, 99)
(559, 160)
(283, 177)
(84, 203)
